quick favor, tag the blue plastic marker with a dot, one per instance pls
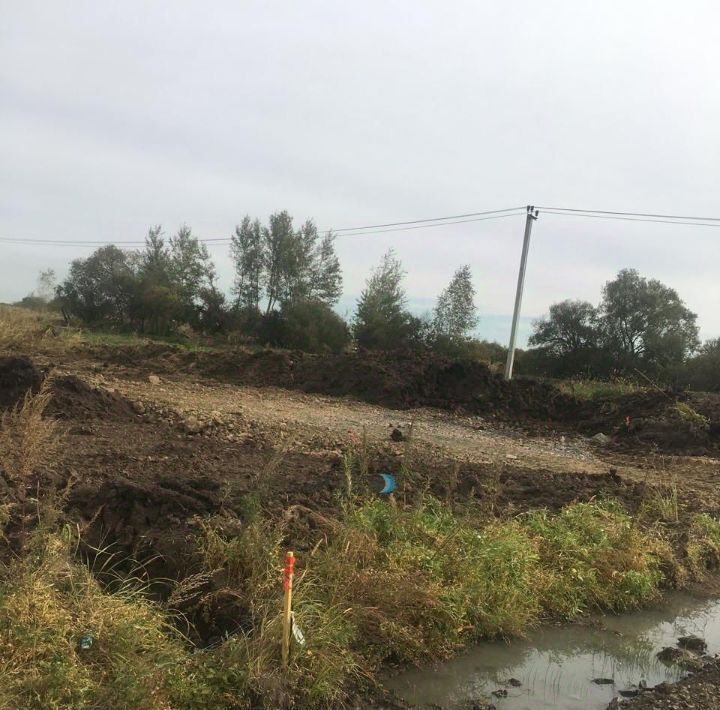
(390, 483)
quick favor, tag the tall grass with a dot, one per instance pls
(412, 584)
(29, 441)
(23, 330)
(47, 604)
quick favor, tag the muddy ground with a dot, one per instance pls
(700, 691)
(155, 439)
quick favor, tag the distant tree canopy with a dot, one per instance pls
(645, 323)
(287, 280)
(702, 372)
(148, 290)
(293, 275)
(455, 314)
(283, 265)
(640, 324)
(382, 321)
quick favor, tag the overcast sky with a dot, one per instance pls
(118, 115)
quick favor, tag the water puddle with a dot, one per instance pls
(556, 666)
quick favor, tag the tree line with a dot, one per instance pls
(288, 279)
(640, 327)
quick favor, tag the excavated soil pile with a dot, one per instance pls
(145, 521)
(663, 420)
(17, 376)
(72, 398)
(393, 380)
(669, 421)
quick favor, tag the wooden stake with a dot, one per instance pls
(288, 573)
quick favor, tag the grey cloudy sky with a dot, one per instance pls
(118, 115)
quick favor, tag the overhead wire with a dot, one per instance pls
(370, 229)
(632, 214)
(410, 225)
(430, 219)
(629, 219)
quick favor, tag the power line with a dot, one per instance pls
(633, 214)
(494, 214)
(416, 224)
(630, 219)
(430, 219)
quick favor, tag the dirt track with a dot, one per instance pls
(322, 425)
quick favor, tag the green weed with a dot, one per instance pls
(596, 558)
(691, 416)
(599, 389)
(703, 546)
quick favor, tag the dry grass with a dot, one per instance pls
(28, 440)
(28, 443)
(22, 329)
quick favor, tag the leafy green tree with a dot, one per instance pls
(326, 275)
(101, 287)
(381, 321)
(571, 327)
(156, 308)
(214, 313)
(281, 259)
(291, 265)
(455, 314)
(645, 323)
(702, 372)
(154, 265)
(248, 251)
(311, 326)
(191, 270)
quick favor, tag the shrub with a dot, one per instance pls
(702, 372)
(311, 326)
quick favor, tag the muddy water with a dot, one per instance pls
(556, 666)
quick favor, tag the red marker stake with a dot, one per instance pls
(288, 573)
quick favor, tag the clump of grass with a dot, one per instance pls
(691, 416)
(244, 560)
(662, 505)
(597, 558)
(421, 582)
(599, 389)
(418, 582)
(703, 545)
(47, 603)
(29, 441)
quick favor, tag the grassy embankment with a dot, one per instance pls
(24, 330)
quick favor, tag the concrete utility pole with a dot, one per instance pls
(532, 215)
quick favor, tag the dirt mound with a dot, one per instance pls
(668, 421)
(17, 376)
(657, 419)
(72, 398)
(144, 522)
(393, 380)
